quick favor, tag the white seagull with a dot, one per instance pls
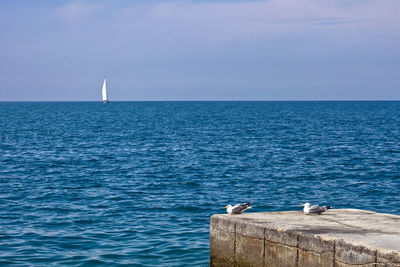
(315, 209)
(238, 208)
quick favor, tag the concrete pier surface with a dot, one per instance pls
(338, 237)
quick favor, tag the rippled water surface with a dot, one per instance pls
(136, 182)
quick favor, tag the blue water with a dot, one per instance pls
(136, 182)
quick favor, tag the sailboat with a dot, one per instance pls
(104, 91)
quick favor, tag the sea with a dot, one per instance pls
(135, 183)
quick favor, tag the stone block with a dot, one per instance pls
(352, 254)
(223, 222)
(249, 244)
(388, 258)
(222, 242)
(281, 236)
(315, 251)
(278, 255)
(341, 264)
(313, 259)
(250, 229)
(249, 251)
(388, 264)
(316, 244)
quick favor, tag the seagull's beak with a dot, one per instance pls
(303, 205)
(225, 207)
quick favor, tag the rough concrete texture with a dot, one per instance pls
(342, 237)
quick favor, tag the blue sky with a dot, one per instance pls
(200, 50)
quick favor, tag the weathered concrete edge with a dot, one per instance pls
(388, 256)
(340, 250)
(223, 249)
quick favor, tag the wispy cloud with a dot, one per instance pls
(299, 12)
(227, 21)
(231, 20)
(74, 12)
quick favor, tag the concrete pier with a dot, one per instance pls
(338, 237)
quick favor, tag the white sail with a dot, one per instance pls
(104, 91)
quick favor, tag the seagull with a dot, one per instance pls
(238, 208)
(315, 209)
